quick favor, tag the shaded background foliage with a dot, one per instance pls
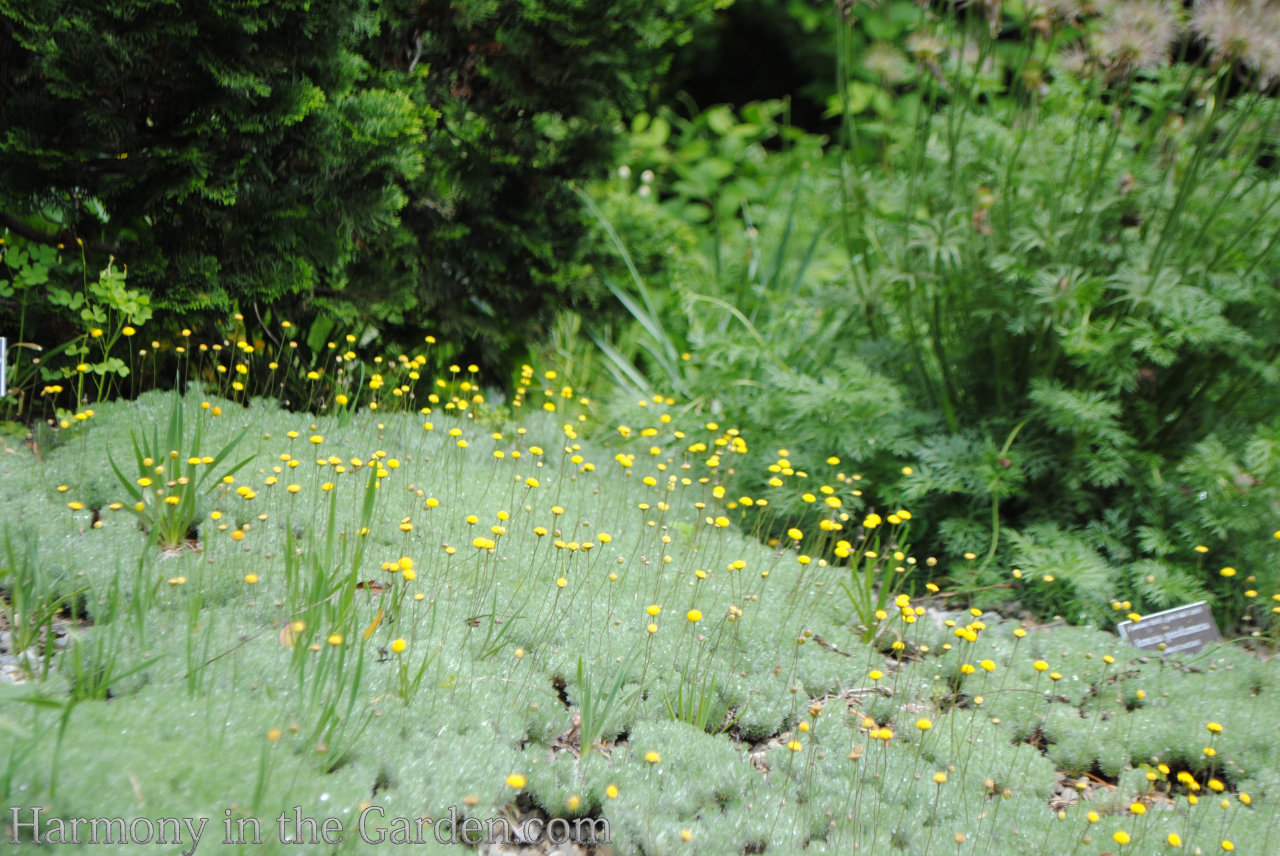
(405, 163)
(226, 151)
(531, 97)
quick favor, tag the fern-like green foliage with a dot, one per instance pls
(1063, 559)
(1119, 377)
(1056, 307)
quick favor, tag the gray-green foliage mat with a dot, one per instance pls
(732, 710)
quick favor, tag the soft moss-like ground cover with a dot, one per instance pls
(379, 617)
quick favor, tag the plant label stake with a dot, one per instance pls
(1184, 628)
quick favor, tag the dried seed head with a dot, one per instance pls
(1078, 61)
(1136, 34)
(886, 62)
(1241, 31)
